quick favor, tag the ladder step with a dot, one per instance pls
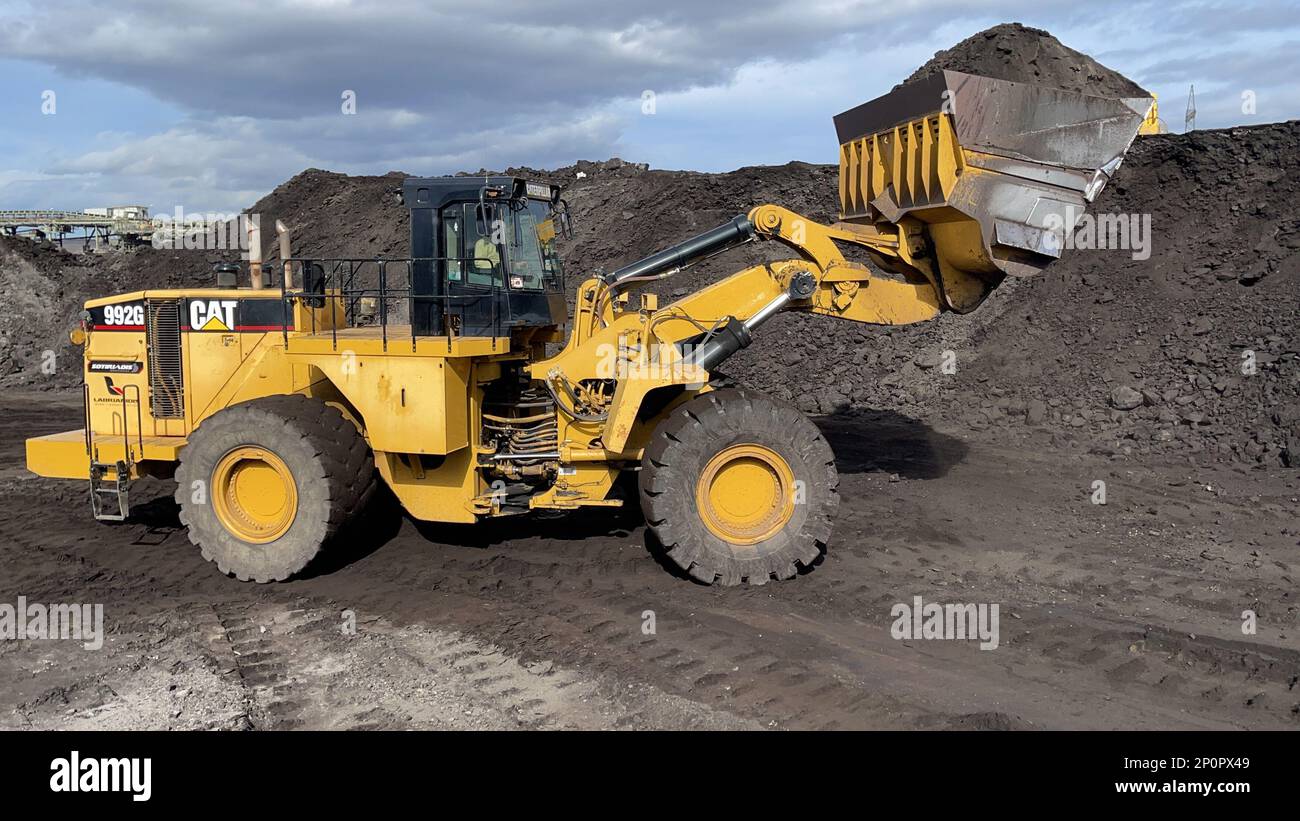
(101, 485)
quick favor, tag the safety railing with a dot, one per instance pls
(359, 285)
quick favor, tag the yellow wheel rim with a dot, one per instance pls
(254, 494)
(746, 494)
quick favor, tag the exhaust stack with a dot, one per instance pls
(254, 235)
(282, 232)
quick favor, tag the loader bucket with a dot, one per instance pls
(996, 172)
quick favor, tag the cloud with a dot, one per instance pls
(257, 87)
(227, 163)
(293, 59)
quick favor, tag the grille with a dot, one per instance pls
(166, 380)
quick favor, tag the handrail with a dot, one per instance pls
(126, 426)
(343, 279)
(127, 454)
(85, 416)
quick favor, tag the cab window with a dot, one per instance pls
(452, 249)
(525, 250)
(483, 257)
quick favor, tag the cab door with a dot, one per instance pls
(472, 269)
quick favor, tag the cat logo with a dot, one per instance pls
(212, 314)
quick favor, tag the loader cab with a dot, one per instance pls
(484, 261)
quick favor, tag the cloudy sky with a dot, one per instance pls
(209, 105)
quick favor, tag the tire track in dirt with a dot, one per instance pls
(584, 609)
(269, 643)
(1093, 618)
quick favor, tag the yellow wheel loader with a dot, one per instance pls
(449, 375)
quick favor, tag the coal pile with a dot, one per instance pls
(1189, 354)
(334, 215)
(46, 288)
(1012, 51)
(1192, 352)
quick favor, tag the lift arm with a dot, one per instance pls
(628, 339)
(947, 185)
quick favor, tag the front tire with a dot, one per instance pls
(263, 486)
(739, 488)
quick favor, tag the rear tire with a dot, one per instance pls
(739, 488)
(263, 486)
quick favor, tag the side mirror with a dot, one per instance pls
(563, 221)
(485, 216)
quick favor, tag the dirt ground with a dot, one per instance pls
(1123, 615)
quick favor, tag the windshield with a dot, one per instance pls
(518, 239)
(530, 238)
